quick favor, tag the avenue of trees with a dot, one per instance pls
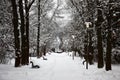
(31, 27)
(23, 16)
(28, 27)
(102, 35)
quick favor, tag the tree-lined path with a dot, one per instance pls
(29, 29)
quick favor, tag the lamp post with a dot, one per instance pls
(87, 55)
(73, 36)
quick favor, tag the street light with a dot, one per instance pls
(88, 24)
(87, 55)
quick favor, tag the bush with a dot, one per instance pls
(115, 56)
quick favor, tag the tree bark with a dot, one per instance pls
(109, 40)
(27, 32)
(108, 53)
(22, 31)
(38, 33)
(99, 37)
(16, 33)
(100, 49)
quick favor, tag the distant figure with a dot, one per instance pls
(44, 51)
(85, 58)
(89, 58)
(34, 66)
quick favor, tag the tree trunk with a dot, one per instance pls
(109, 40)
(38, 33)
(22, 31)
(109, 50)
(27, 32)
(100, 49)
(16, 33)
(99, 37)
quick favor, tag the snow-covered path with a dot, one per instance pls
(58, 67)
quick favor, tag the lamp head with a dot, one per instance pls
(73, 36)
(88, 24)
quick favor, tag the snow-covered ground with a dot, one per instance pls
(58, 67)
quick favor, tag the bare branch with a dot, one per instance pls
(30, 4)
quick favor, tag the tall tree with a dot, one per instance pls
(109, 36)
(28, 5)
(16, 33)
(22, 26)
(44, 22)
(99, 35)
(38, 33)
(25, 29)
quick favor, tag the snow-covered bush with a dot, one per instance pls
(6, 52)
(115, 56)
